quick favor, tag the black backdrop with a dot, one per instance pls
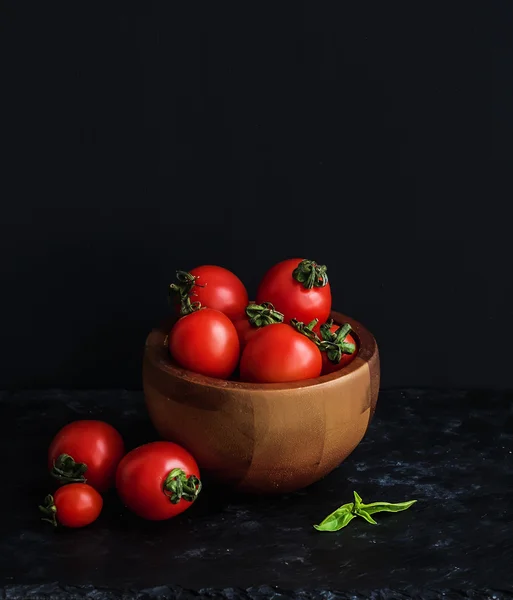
(373, 137)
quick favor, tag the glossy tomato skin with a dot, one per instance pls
(77, 504)
(141, 475)
(245, 331)
(327, 365)
(278, 354)
(220, 289)
(290, 297)
(205, 342)
(94, 443)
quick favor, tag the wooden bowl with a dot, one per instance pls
(263, 438)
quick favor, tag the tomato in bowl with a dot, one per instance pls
(252, 435)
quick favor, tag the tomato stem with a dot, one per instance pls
(178, 486)
(310, 274)
(182, 291)
(307, 330)
(260, 315)
(66, 470)
(334, 342)
(49, 510)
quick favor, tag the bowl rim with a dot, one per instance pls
(156, 352)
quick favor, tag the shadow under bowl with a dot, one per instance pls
(263, 438)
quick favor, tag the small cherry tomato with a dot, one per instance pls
(73, 505)
(279, 353)
(213, 287)
(158, 481)
(257, 316)
(86, 451)
(339, 347)
(245, 331)
(206, 342)
(297, 288)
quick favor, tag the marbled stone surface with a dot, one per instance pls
(452, 451)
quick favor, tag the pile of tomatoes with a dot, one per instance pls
(285, 335)
(156, 481)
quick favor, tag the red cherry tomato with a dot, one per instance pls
(257, 316)
(279, 353)
(286, 286)
(73, 505)
(158, 481)
(245, 331)
(327, 365)
(205, 342)
(212, 287)
(86, 451)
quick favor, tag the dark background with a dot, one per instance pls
(373, 137)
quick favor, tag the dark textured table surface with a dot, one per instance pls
(452, 451)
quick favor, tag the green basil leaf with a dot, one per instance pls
(365, 515)
(357, 500)
(376, 507)
(337, 519)
(335, 522)
(347, 512)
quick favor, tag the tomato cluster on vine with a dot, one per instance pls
(285, 335)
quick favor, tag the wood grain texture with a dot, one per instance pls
(263, 438)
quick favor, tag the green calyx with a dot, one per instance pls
(66, 470)
(310, 274)
(178, 486)
(334, 343)
(181, 292)
(307, 330)
(347, 512)
(260, 315)
(49, 510)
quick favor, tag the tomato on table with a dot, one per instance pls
(158, 481)
(257, 316)
(279, 353)
(86, 451)
(73, 505)
(298, 288)
(206, 342)
(212, 287)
